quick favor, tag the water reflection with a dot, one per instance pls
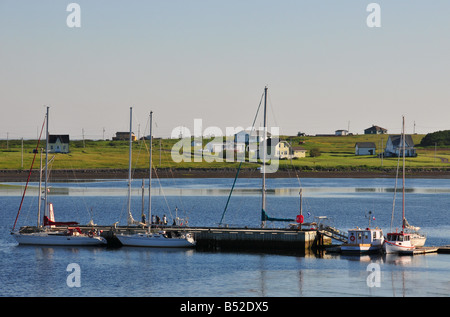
(174, 191)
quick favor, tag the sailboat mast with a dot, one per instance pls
(263, 223)
(40, 193)
(46, 164)
(150, 175)
(129, 167)
(403, 190)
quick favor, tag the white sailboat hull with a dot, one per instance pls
(155, 241)
(43, 238)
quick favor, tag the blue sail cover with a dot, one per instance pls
(265, 217)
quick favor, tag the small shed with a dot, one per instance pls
(365, 148)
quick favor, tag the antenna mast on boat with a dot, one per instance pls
(263, 223)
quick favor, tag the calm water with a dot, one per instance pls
(42, 271)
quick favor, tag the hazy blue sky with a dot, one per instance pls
(209, 59)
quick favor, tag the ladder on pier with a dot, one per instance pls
(333, 233)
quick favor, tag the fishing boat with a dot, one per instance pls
(401, 242)
(150, 239)
(362, 240)
(52, 232)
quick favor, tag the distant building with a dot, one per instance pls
(58, 143)
(394, 146)
(226, 145)
(124, 136)
(250, 137)
(283, 150)
(298, 152)
(374, 129)
(365, 148)
(341, 132)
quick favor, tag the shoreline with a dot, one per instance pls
(97, 174)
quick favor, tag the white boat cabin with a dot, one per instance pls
(398, 237)
(364, 236)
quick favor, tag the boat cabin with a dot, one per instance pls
(398, 237)
(364, 236)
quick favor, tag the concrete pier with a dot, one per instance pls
(255, 238)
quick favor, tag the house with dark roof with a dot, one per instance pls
(394, 146)
(124, 136)
(58, 143)
(374, 129)
(365, 148)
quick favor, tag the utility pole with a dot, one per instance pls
(82, 132)
(435, 149)
(382, 152)
(22, 154)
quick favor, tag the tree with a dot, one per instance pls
(440, 138)
(315, 152)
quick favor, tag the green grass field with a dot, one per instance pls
(336, 153)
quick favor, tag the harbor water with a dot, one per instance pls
(40, 271)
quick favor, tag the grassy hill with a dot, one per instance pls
(337, 152)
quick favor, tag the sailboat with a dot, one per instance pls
(402, 242)
(149, 239)
(418, 239)
(52, 232)
(265, 142)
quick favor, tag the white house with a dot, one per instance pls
(256, 136)
(394, 146)
(217, 147)
(58, 143)
(365, 148)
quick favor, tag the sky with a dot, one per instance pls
(324, 67)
